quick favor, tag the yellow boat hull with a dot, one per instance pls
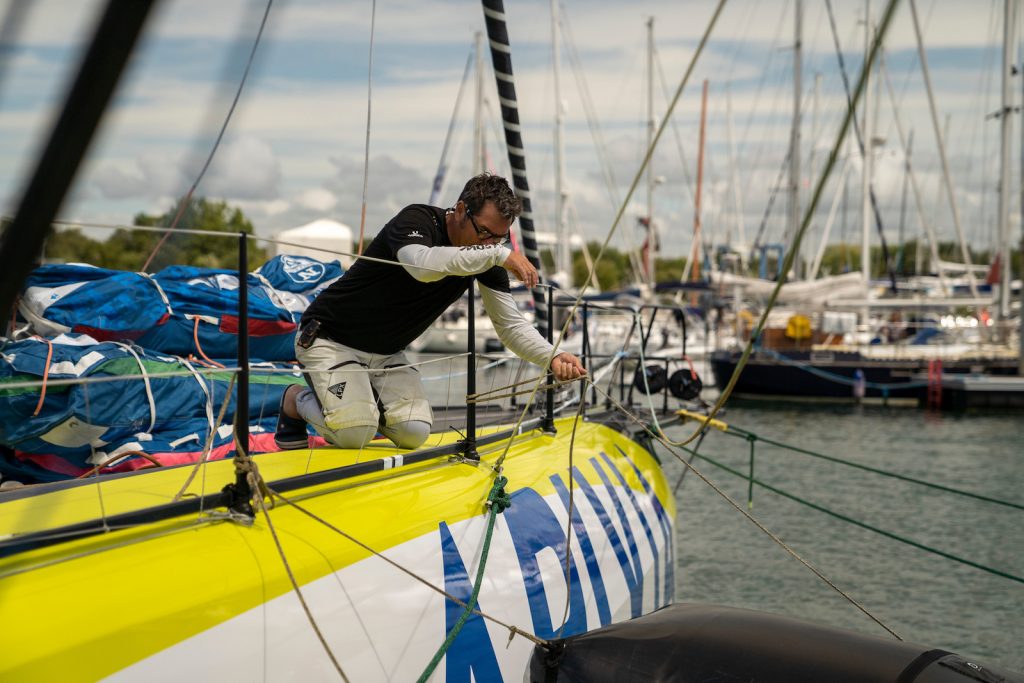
(200, 596)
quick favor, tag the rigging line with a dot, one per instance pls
(295, 584)
(568, 525)
(209, 444)
(741, 147)
(940, 140)
(92, 449)
(607, 169)
(369, 105)
(864, 525)
(808, 214)
(886, 256)
(622, 208)
(514, 630)
(596, 134)
(497, 502)
(442, 166)
(220, 136)
(234, 236)
(744, 434)
(693, 455)
(749, 516)
(777, 187)
(484, 394)
(687, 180)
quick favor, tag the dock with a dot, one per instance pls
(968, 391)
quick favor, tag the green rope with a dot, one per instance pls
(744, 434)
(750, 482)
(863, 525)
(497, 502)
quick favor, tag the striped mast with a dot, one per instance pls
(501, 58)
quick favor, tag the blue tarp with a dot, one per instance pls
(181, 310)
(76, 426)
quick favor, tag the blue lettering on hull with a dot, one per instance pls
(534, 529)
(472, 651)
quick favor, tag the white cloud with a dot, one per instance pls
(318, 199)
(245, 168)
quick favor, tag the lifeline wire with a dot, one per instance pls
(513, 630)
(782, 544)
(864, 525)
(253, 475)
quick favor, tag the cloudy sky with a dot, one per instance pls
(294, 150)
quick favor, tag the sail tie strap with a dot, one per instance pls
(46, 376)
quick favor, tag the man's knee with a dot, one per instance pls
(410, 434)
(351, 437)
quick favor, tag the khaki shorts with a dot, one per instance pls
(349, 383)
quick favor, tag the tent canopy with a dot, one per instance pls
(321, 239)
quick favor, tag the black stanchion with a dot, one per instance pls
(548, 424)
(239, 494)
(469, 443)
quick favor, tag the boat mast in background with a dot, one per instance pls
(866, 157)
(650, 253)
(563, 248)
(1020, 331)
(947, 179)
(794, 136)
(1005, 136)
(695, 251)
(479, 153)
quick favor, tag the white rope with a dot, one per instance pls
(145, 380)
(202, 385)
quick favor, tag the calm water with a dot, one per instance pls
(724, 559)
(927, 599)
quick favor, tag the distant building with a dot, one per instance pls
(321, 239)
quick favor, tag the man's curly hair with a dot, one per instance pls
(486, 187)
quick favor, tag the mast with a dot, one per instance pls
(1005, 136)
(742, 233)
(479, 154)
(695, 252)
(942, 151)
(563, 250)
(867, 156)
(815, 132)
(501, 60)
(649, 256)
(794, 135)
(1020, 332)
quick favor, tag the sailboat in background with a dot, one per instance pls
(878, 343)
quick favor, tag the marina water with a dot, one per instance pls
(927, 599)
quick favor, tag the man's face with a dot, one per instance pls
(487, 226)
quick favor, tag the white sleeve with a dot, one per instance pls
(513, 330)
(430, 264)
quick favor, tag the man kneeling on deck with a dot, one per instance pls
(352, 336)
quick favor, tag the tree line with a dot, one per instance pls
(128, 249)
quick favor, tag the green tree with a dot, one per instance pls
(207, 251)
